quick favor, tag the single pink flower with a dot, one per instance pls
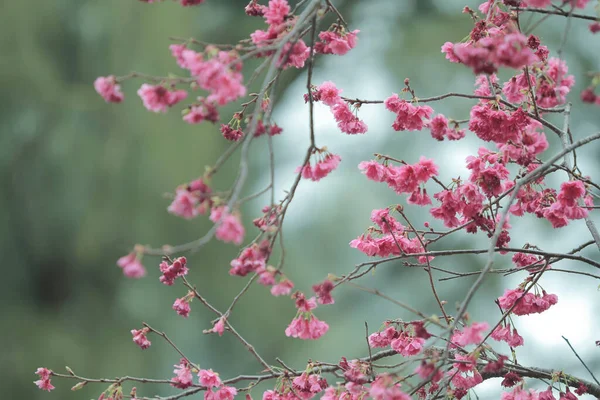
(182, 306)
(132, 266)
(276, 12)
(328, 93)
(139, 337)
(108, 88)
(373, 170)
(209, 378)
(229, 226)
(183, 378)
(283, 288)
(219, 327)
(44, 384)
(185, 204)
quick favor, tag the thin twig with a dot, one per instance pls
(582, 362)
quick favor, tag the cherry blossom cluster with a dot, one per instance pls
(325, 163)
(277, 17)
(305, 325)
(347, 121)
(392, 239)
(506, 176)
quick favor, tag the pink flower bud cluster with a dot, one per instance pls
(347, 121)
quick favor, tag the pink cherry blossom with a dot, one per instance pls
(337, 42)
(387, 387)
(486, 53)
(233, 135)
(219, 74)
(219, 327)
(172, 271)
(408, 117)
(132, 266)
(373, 170)
(209, 378)
(251, 259)
(191, 199)
(223, 393)
(307, 328)
(139, 337)
(496, 125)
(329, 94)
(386, 222)
(108, 88)
(185, 204)
(528, 303)
(440, 129)
(504, 334)
(283, 288)
(407, 345)
(254, 9)
(383, 338)
(158, 98)
(202, 111)
(307, 385)
(183, 375)
(306, 325)
(346, 120)
(182, 306)
(276, 12)
(465, 381)
(294, 55)
(323, 167)
(229, 226)
(554, 84)
(44, 382)
(323, 291)
(470, 334)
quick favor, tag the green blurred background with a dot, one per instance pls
(82, 181)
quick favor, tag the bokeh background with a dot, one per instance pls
(82, 181)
